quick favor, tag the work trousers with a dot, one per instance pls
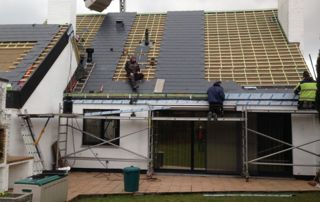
(216, 108)
(133, 78)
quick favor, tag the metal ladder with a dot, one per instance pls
(61, 150)
(82, 82)
(32, 148)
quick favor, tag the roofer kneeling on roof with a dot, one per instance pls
(306, 90)
(215, 98)
(133, 72)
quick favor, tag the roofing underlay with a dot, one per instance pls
(191, 49)
(23, 48)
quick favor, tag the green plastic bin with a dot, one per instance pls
(131, 177)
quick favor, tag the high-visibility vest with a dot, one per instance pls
(9, 86)
(308, 91)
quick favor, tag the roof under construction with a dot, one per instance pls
(23, 48)
(27, 52)
(191, 49)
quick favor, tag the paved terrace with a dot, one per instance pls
(81, 183)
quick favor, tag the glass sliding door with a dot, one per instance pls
(180, 145)
(173, 149)
(223, 147)
(197, 146)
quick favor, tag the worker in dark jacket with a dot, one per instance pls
(215, 98)
(133, 72)
(306, 90)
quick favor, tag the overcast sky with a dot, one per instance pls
(35, 11)
(208, 5)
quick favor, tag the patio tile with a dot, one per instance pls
(81, 183)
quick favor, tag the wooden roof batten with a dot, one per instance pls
(12, 53)
(87, 28)
(155, 25)
(34, 66)
(250, 48)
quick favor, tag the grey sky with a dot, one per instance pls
(22, 11)
(167, 5)
(35, 11)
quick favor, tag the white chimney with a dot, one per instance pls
(291, 17)
(62, 12)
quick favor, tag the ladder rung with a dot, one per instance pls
(62, 141)
(31, 147)
(32, 150)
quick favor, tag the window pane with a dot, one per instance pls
(92, 126)
(102, 128)
(111, 130)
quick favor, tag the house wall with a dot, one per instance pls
(62, 12)
(137, 142)
(305, 128)
(45, 99)
(291, 17)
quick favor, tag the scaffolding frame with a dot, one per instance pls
(255, 161)
(150, 154)
(140, 157)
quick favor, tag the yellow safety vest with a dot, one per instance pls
(308, 91)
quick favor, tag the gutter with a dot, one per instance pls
(137, 96)
(174, 96)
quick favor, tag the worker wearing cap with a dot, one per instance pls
(133, 72)
(306, 90)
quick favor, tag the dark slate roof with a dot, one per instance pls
(110, 36)
(181, 61)
(177, 28)
(41, 34)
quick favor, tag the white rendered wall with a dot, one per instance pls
(291, 17)
(45, 99)
(305, 128)
(137, 142)
(62, 12)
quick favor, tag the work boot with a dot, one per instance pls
(209, 116)
(215, 116)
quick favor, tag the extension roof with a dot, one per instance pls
(27, 52)
(191, 50)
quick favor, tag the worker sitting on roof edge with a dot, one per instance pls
(306, 89)
(215, 98)
(133, 73)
